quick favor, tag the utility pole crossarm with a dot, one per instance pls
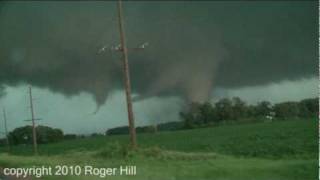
(36, 119)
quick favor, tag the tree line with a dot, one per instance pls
(235, 109)
(194, 115)
(23, 135)
(232, 110)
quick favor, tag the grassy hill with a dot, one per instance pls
(277, 150)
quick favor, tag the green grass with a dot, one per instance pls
(285, 150)
(268, 140)
(217, 167)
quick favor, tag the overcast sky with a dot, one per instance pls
(198, 51)
(75, 114)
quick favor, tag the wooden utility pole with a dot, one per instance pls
(34, 133)
(6, 128)
(124, 50)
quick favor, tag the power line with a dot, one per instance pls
(34, 133)
(124, 50)
(6, 128)
(33, 119)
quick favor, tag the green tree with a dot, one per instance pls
(262, 109)
(45, 134)
(21, 135)
(224, 110)
(192, 115)
(286, 110)
(309, 107)
(239, 108)
(206, 113)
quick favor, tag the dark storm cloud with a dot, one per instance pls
(194, 47)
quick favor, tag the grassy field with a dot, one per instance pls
(285, 150)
